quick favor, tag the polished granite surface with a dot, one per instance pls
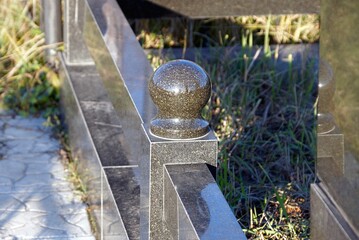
(112, 108)
(194, 206)
(227, 8)
(180, 89)
(119, 58)
(125, 188)
(75, 50)
(203, 150)
(327, 222)
(338, 118)
(84, 152)
(116, 51)
(102, 121)
(80, 138)
(113, 225)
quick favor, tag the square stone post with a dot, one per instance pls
(334, 198)
(177, 135)
(76, 52)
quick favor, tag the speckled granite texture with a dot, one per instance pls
(179, 89)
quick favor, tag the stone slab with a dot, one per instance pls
(194, 206)
(125, 188)
(36, 199)
(338, 106)
(46, 202)
(37, 225)
(227, 8)
(327, 221)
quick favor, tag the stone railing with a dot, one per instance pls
(148, 175)
(147, 170)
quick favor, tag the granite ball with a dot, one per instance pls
(180, 89)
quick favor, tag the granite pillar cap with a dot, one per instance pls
(180, 89)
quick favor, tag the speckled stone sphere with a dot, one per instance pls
(180, 89)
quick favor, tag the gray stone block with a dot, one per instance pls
(46, 202)
(327, 221)
(43, 225)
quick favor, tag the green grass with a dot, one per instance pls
(27, 84)
(265, 121)
(263, 117)
(249, 31)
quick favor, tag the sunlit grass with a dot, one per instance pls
(248, 31)
(27, 84)
(265, 122)
(264, 117)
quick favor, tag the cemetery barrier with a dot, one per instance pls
(148, 172)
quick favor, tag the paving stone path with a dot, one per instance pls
(36, 199)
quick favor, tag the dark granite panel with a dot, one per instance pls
(123, 68)
(119, 57)
(326, 220)
(144, 9)
(170, 206)
(185, 227)
(102, 119)
(87, 83)
(226, 8)
(82, 147)
(112, 220)
(125, 187)
(339, 105)
(204, 208)
(107, 134)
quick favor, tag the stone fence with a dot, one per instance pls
(147, 169)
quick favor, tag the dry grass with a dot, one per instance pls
(248, 31)
(27, 84)
(264, 118)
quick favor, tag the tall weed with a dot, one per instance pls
(27, 84)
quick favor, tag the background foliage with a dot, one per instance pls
(27, 84)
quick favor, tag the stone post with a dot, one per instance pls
(76, 52)
(334, 197)
(180, 89)
(52, 26)
(177, 135)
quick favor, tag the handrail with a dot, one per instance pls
(122, 76)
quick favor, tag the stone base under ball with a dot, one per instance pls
(176, 129)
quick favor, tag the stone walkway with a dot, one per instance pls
(36, 200)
